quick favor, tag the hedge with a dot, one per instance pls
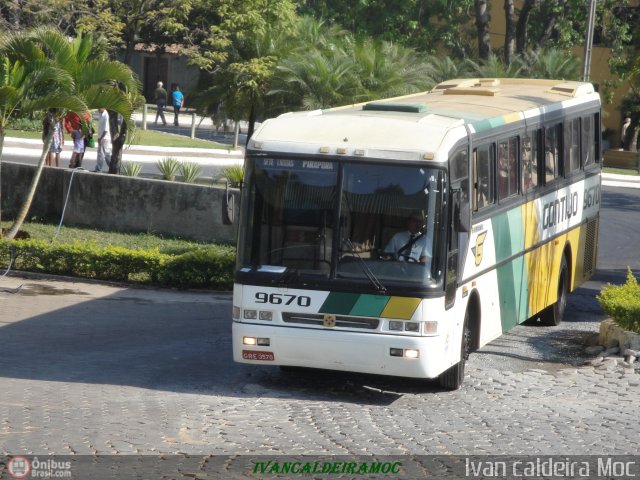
(203, 267)
(622, 302)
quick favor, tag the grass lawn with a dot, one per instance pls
(44, 231)
(142, 137)
(620, 171)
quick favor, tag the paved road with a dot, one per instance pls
(93, 368)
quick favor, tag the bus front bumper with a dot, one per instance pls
(340, 350)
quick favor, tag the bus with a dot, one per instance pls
(502, 179)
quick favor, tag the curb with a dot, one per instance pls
(610, 333)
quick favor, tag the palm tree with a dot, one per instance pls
(441, 69)
(386, 69)
(22, 92)
(316, 80)
(553, 63)
(494, 67)
(94, 83)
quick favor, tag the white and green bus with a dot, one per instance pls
(502, 177)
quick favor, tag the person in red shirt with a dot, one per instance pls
(73, 125)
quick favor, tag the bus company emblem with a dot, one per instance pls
(329, 320)
(477, 250)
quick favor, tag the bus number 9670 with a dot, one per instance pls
(283, 299)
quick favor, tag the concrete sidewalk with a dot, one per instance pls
(211, 161)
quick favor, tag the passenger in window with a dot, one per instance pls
(527, 167)
(410, 245)
(503, 171)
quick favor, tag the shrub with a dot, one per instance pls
(190, 172)
(622, 302)
(210, 267)
(168, 167)
(131, 169)
(234, 174)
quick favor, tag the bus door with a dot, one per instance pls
(458, 221)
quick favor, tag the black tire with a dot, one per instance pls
(554, 314)
(452, 378)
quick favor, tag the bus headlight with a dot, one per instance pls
(412, 327)
(250, 314)
(395, 325)
(265, 315)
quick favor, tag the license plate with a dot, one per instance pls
(256, 355)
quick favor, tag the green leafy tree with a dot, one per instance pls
(95, 82)
(241, 50)
(18, 15)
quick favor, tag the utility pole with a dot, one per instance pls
(588, 43)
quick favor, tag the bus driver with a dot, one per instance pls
(410, 245)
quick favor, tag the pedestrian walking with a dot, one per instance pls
(177, 100)
(104, 140)
(160, 97)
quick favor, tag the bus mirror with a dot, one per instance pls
(228, 206)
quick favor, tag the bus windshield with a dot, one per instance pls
(366, 223)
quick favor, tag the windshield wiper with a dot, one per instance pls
(365, 269)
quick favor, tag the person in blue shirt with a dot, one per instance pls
(177, 100)
(410, 245)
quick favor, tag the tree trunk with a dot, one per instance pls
(22, 214)
(630, 140)
(252, 122)
(522, 37)
(236, 133)
(482, 27)
(548, 28)
(510, 32)
(118, 136)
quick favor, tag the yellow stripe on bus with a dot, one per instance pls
(401, 308)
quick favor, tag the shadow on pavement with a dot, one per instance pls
(177, 342)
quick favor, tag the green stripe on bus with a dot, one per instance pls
(369, 305)
(512, 294)
(339, 303)
(508, 234)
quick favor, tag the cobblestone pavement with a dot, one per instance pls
(89, 368)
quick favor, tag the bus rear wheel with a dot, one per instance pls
(452, 378)
(554, 314)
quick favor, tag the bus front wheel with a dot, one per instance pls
(452, 378)
(554, 314)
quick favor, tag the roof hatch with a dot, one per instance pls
(395, 107)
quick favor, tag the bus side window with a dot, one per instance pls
(530, 155)
(572, 145)
(507, 168)
(459, 165)
(482, 176)
(552, 153)
(588, 143)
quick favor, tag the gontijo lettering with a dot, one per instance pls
(559, 210)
